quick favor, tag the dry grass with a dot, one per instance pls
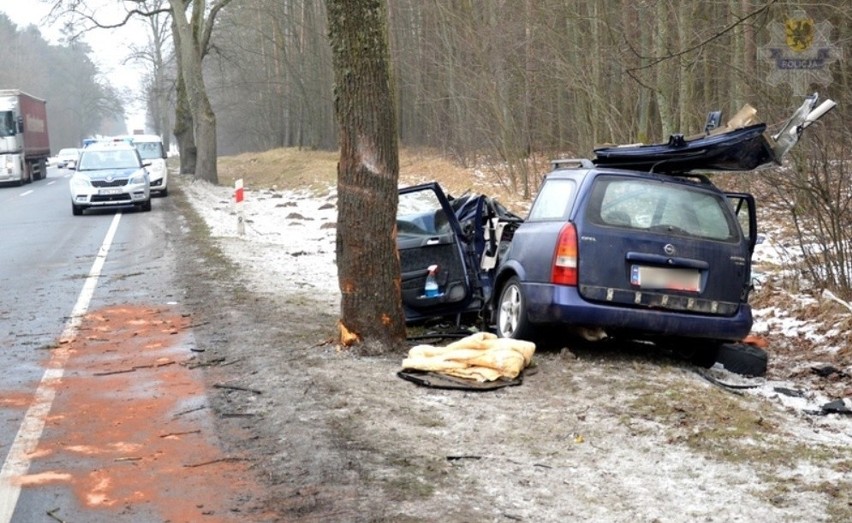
(291, 168)
(286, 168)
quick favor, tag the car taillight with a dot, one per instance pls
(565, 257)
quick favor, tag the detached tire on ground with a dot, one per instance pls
(744, 359)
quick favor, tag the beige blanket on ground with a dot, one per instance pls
(481, 357)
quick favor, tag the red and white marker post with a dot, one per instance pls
(239, 195)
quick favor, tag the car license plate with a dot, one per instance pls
(109, 191)
(665, 278)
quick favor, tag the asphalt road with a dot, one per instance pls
(90, 329)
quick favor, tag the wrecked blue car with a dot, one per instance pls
(637, 243)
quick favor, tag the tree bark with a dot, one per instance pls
(367, 177)
(193, 35)
(183, 132)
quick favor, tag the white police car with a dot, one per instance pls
(109, 174)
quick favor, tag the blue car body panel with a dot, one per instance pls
(607, 295)
(562, 304)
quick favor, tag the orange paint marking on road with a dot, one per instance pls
(43, 478)
(15, 400)
(121, 395)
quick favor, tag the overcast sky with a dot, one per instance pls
(110, 48)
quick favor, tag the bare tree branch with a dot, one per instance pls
(658, 59)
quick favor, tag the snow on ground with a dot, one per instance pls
(289, 247)
(289, 239)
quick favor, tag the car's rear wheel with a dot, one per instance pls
(512, 311)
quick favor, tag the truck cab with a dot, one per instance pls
(24, 144)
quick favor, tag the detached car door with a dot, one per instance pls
(428, 233)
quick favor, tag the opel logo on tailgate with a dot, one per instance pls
(669, 249)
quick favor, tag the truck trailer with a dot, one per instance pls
(24, 143)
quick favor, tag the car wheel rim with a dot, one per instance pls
(509, 308)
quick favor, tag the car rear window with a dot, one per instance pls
(657, 206)
(553, 200)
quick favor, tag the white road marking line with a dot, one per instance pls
(27, 192)
(19, 458)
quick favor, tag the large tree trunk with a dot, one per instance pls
(191, 41)
(183, 131)
(367, 177)
(183, 116)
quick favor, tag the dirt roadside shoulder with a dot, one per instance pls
(607, 435)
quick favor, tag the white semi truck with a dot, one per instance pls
(24, 143)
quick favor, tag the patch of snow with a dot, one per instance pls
(289, 242)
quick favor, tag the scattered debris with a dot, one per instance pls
(436, 380)
(210, 363)
(795, 393)
(52, 514)
(236, 387)
(184, 433)
(347, 337)
(836, 407)
(220, 460)
(743, 358)
(190, 411)
(719, 375)
(825, 370)
(134, 368)
(461, 457)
